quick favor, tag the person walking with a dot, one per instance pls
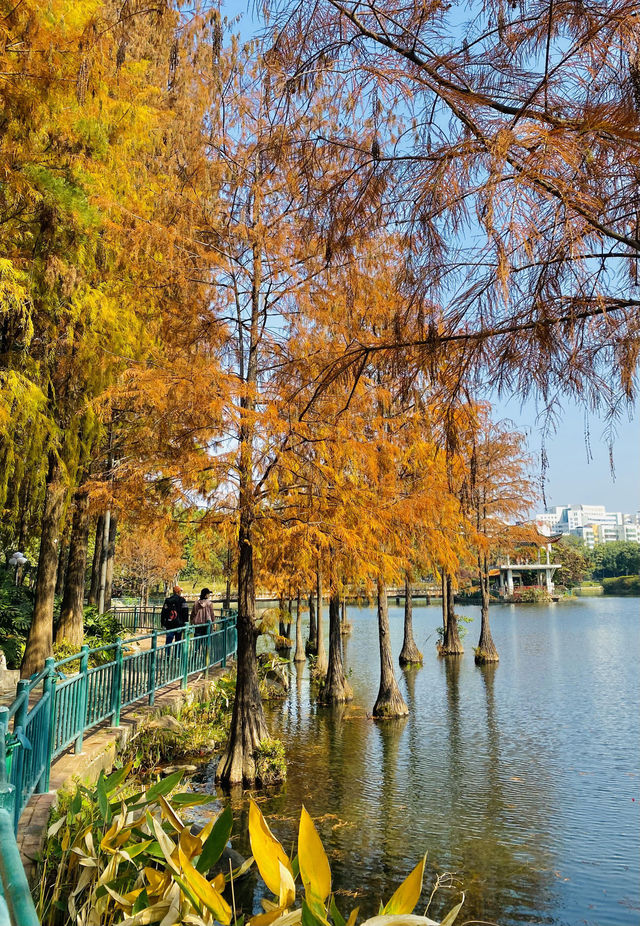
(174, 615)
(202, 613)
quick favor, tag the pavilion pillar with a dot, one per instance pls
(510, 581)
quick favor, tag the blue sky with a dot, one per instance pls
(575, 475)
(573, 478)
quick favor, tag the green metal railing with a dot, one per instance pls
(137, 618)
(53, 710)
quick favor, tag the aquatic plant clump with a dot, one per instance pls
(126, 857)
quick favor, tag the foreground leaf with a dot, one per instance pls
(408, 894)
(215, 842)
(314, 864)
(401, 919)
(266, 849)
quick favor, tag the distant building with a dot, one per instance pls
(592, 523)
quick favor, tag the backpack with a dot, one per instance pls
(169, 616)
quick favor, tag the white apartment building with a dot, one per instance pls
(593, 523)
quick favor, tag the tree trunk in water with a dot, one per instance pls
(312, 642)
(336, 689)
(40, 639)
(299, 655)
(321, 655)
(410, 654)
(289, 619)
(445, 605)
(389, 702)
(451, 644)
(71, 626)
(92, 598)
(486, 650)
(281, 615)
(104, 555)
(248, 724)
(111, 556)
(345, 626)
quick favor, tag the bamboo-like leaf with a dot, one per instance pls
(337, 917)
(266, 919)
(240, 870)
(166, 845)
(219, 882)
(266, 849)
(115, 779)
(190, 800)
(170, 814)
(164, 786)
(55, 827)
(407, 895)
(153, 914)
(451, 916)
(287, 892)
(210, 897)
(214, 843)
(190, 845)
(353, 916)
(400, 919)
(314, 864)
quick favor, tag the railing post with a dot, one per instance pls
(48, 688)
(209, 645)
(84, 695)
(135, 617)
(7, 791)
(117, 685)
(186, 637)
(152, 667)
(224, 643)
(19, 722)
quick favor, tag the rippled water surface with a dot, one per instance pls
(521, 778)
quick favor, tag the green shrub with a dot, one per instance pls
(197, 730)
(271, 765)
(531, 595)
(16, 608)
(622, 585)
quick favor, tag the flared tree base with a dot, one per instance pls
(410, 656)
(484, 656)
(450, 649)
(336, 693)
(389, 705)
(237, 765)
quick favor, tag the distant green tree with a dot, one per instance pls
(576, 560)
(619, 558)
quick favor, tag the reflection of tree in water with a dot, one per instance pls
(391, 848)
(345, 650)
(501, 864)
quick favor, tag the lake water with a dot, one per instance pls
(521, 780)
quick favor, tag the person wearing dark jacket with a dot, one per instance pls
(174, 616)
